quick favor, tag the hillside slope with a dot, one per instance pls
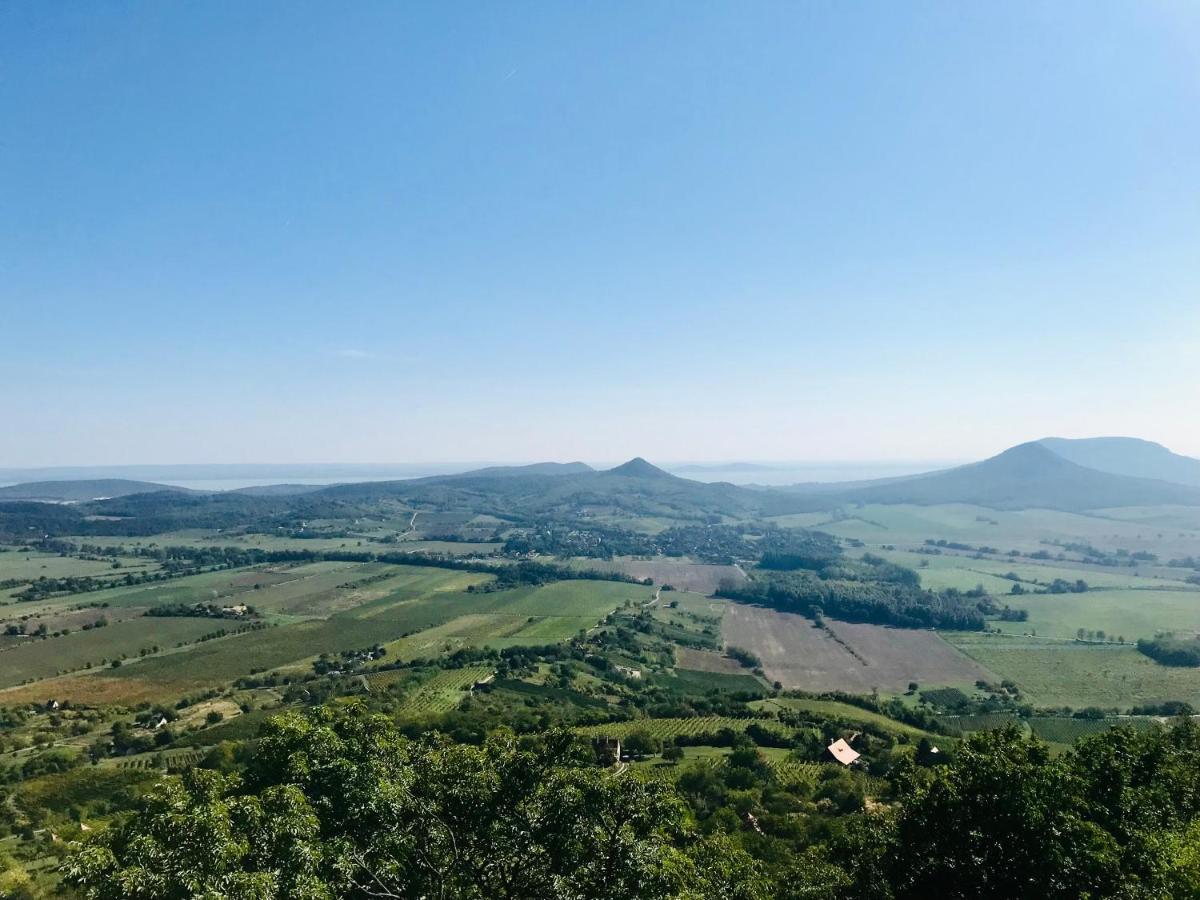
(1022, 477)
(78, 491)
(1128, 456)
(633, 488)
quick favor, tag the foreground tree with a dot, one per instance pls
(338, 804)
(1116, 819)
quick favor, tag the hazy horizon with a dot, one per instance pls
(219, 477)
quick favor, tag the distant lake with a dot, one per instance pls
(798, 473)
(233, 484)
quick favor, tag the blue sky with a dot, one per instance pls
(296, 232)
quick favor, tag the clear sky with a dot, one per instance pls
(392, 231)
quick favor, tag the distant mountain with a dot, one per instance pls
(546, 468)
(78, 491)
(1128, 456)
(1023, 477)
(631, 489)
(638, 468)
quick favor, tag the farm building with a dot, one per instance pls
(608, 750)
(842, 752)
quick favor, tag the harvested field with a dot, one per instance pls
(680, 574)
(706, 661)
(847, 657)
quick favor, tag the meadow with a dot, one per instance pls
(25, 564)
(1129, 614)
(964, 571)
(1065, 673)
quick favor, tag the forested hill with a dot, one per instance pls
(636, 487)
(1026, 476)
(75, 491)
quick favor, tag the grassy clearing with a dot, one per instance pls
(1053, 673)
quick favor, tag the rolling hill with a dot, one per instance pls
(80, 491)
(1128, 456)
(633, 488)
(1026, 476)
(545, 468)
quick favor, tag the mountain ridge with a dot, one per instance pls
(1025, 476)
(1131, 456)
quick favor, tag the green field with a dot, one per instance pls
(1127, 614)
(524, 616)
(835, 709)
(207, 587)
(42, 659)
(665, 729)
(962, 571)
(208, 538)
(1005, 529)
(430, 605)
(1062, 673)
(30, 565)
(1067, 731)
(445, 690)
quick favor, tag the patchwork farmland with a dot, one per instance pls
(855, 658)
